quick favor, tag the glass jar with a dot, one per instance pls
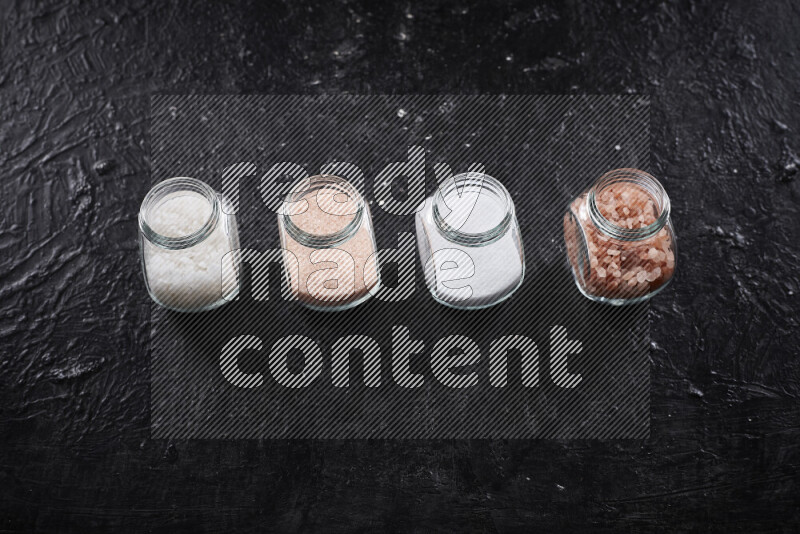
(469, 242)
(328, 242)
(189, 246)
(619, 238)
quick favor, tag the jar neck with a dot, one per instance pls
(453, 207)
(305, 192)
(636, 178)
(172, 187)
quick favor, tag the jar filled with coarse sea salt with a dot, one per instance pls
(619, 238)
(189, 246)
(469, 242)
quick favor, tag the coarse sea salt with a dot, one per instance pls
(190, 254)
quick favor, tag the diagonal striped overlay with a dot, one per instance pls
(547, 363)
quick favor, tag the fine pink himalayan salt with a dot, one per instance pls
(340, 274)
(624, 269)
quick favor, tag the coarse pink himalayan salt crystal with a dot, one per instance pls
(622, 269)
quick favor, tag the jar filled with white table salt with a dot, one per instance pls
(469, 242)
(189, 246)
(329, 249)
(619, 238)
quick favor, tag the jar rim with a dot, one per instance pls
(167, 187)
(485, 184)
(642, 180)
(299, 191)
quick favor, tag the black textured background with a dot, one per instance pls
(75, 80)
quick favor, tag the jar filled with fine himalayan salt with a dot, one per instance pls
(189, 246)
(619, 237)
(329, 249)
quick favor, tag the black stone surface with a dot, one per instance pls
(75, 455)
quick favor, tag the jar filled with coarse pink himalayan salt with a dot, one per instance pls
(619, 237)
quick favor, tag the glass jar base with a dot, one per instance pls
(195, 309)
(623, 301)
(483, 305)
(346, 306)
